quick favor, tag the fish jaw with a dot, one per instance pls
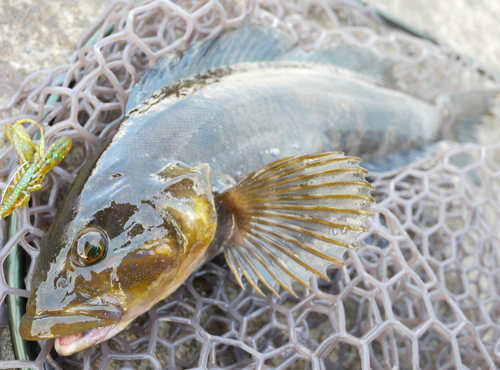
(56, 324)
(75, 331)
(71, 344)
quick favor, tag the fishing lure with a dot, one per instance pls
(35, 164)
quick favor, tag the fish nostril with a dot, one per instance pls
(62, 283)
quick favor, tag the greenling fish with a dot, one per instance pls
(231, 146)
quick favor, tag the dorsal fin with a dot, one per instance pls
(294, 218)
(249, 44)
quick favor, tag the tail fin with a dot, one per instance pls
(463, 114)
(466, 117)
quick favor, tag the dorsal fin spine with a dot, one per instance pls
(251, 44)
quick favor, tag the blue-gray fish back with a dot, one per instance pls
(254, 44)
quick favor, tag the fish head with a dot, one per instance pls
(104, 262)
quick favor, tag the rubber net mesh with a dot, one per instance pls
(423, 291)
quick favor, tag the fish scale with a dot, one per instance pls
(294, 108)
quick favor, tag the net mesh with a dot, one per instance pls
(422, 292)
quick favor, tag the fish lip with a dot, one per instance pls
(107, 311)
(58, 323)
(68, 345)
(96, 311)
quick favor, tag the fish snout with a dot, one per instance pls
(56, 324)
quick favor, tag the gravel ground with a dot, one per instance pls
(37, 34)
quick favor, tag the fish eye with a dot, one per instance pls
(90, 246)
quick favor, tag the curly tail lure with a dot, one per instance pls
(35, 164)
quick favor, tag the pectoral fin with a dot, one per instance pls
(294, 218)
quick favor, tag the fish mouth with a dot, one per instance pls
(68, 345)
(77, 328)
(58, 324)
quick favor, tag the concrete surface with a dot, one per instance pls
(468, 26)
(40, 34)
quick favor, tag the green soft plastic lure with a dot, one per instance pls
(35, 164)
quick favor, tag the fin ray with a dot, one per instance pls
(313, 208)
(309, 219)
(269, 179)
(268, 280)
(303, 230)
(285, 279)
(315, 186)
(228, 254)
(289, 253)
(247, 271)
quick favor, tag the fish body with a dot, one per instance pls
(243, 117)
(228, 154)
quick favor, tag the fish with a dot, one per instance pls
(244, 145)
